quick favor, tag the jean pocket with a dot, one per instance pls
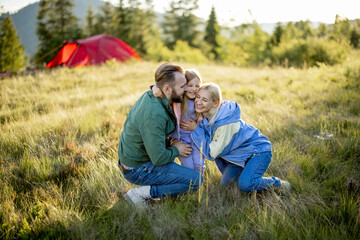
(148, 167)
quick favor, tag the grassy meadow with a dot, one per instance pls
(58, 156)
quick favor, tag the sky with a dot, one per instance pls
(234, 12)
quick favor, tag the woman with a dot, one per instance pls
(240, 151)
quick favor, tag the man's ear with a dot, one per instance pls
(167, 89)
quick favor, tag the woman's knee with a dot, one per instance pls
(245, 185)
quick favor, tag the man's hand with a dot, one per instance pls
(184, 149)
(188, 125)
(157, 92)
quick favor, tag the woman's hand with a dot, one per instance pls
(157, 92)
(188, 125)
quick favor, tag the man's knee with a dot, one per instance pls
(196, 182)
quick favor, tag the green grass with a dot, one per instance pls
(58, 156)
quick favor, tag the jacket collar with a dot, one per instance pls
(165, 103)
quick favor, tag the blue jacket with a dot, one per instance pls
(246, 142)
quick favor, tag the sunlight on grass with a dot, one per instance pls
(58, 160)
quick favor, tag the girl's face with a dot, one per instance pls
(204, 102)
(192, 88)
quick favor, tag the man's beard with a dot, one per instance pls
(176, 98)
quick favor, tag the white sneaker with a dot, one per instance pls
(285, 186)
(138, 196)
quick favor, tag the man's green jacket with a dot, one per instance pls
(145, 131)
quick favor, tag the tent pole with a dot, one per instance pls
(48, 53)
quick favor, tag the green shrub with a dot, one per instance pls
(184, 53)
(309, 52)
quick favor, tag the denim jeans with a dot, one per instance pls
(250, 177)
(166, 180)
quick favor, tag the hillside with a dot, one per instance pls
(25, 21)
(59, 133)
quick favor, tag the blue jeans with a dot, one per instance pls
(250, 177)
(166, 180)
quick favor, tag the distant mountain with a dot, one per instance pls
(270, 27)
(25, 21)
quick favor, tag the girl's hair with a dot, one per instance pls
(215, 94)
(190, 74)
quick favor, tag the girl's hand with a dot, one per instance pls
(188, 125)
(173, 141)
(157, 92)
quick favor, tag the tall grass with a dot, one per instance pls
(58, 159)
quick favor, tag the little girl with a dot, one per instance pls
(186, 111)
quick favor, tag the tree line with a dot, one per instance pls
(181, 36)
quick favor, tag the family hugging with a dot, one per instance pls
(177, 118)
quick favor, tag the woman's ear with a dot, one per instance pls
(216, 103)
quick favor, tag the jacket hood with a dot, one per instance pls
(229, 112)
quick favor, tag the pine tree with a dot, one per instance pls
(104, 20)
(154, 46)
(341, 29)
(12, 56)
(305, 29)
(90, 22)
(322, 30)
(355, 34)
(277, 34)
(121, 23)
(138, 26)
(180, 23)
(56, 23)
(135, 25)
(212, 33)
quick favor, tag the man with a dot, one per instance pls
(145, 157)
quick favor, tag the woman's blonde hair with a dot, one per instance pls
(215, 94)
(190, 74)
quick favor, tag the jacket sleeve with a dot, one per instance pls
(213, 146)
(222, 137)
(154, 138)
(202, 140)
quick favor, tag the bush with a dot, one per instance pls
(184, 53)
(157, 51)
(309, 52)
(231, 53)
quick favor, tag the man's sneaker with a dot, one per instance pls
(285, 186)
(138, 196)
